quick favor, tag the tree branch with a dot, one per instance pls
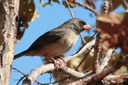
(8, 11)
(89, 8)
(45, 68)
(106, 7)
(98, 50)
(120, 78)
(71, 13)
(99, 76)
(105, 61)
(72, 72)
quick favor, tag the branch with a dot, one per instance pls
(105, 60)
(84, 57)
(120, 78)
(71, 13)
(45, 68)
(8, 12)
(87, 51)
(72, 72)
(90, 44)
(24, 75)
(89, 8)
(99, 76)
(18, 71)
(97, 48)
(106, 7)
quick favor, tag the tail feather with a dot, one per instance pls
(20, 54)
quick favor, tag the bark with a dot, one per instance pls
(9, 11)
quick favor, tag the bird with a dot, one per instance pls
(57, 41)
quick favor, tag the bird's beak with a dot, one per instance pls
(86, 27)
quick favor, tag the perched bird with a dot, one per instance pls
(56, 42)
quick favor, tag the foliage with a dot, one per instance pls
(115, 28)
(27, 13)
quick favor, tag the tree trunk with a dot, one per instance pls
(8, 12)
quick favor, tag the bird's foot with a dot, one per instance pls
(57, 64)
(62, 59)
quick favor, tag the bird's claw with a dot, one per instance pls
(57, 64)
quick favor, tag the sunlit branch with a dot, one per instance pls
(45, 68)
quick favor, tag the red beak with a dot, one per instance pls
(86, 27)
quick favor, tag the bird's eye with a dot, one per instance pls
(82, 23)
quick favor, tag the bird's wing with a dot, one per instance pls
(49, 37)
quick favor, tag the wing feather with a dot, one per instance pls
(49, 37)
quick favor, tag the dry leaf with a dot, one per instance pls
(114, 28)
(35, 15)
(27, 13)
(49, 2)
(70, 2)
(117, 3)
(91, 3)
(26, 10)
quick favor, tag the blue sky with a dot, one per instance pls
(49, 18)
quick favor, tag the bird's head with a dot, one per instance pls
(78, 25)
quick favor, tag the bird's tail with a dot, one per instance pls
(20, 54)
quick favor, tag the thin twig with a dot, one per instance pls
(88, 7)
(84, 58)
(83, 40)
(72, 14)
(18, 71)
(87, 42)
(91, 38)
(20, 80)
(24, 75)
(82, 50)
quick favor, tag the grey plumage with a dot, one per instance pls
(57, 41)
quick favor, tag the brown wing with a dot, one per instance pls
(49, 37)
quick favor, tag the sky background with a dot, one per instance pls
(50, 17)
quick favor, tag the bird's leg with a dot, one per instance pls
(54, 61)
(57, 65)
(60, 57)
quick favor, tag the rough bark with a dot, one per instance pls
(9, 11)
